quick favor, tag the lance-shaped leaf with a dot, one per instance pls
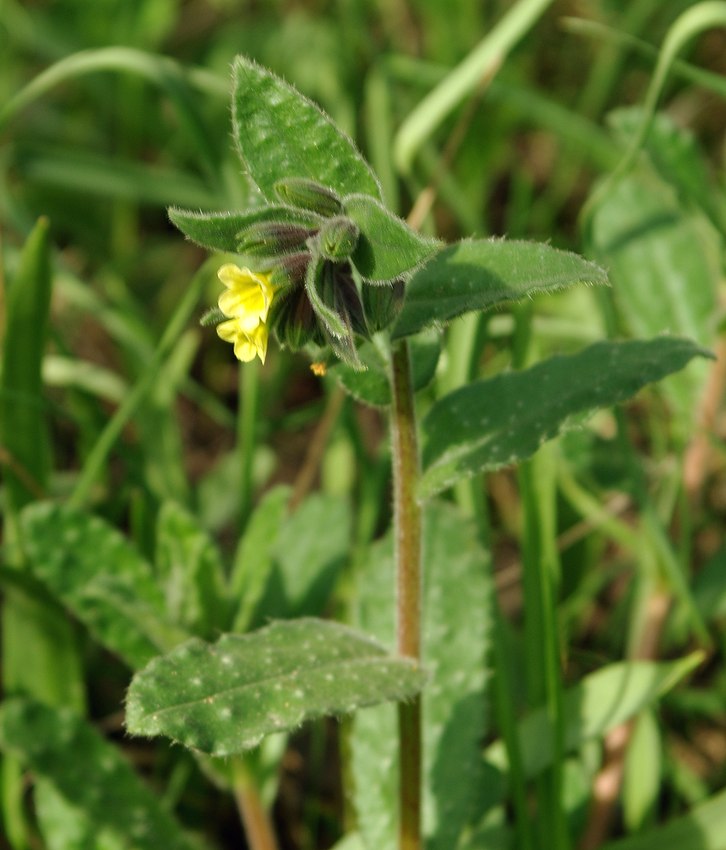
(387, 246)
(101, 578)
(223, 698)
(505, 419)
(220, 231)
(481, 274)
(111, 805)
(280, 134)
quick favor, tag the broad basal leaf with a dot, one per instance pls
(223, 698)
(113, 807)
(219, 231)
(279, 133)
(480, 274)
(101, 578)
(502, 420)
(387, 247)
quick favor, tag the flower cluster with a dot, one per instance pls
(246, 303)
(305, 287)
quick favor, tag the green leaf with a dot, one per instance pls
(456, 633)
(600, 702)
(190, 570)
(65, 827)
(703, 828)
(502, 420)
(643, 773)
(253, 561)
(280, 134)
(108, 799)
(23, 429)
(309, 552)
(665, 262)
(387, 247)
(101, 578)
(674, 153)
(219, 231)
(223, 698)
(481, 274)
(372, 386)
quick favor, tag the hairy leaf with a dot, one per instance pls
(219, 231)
(502, 420)
(101, 578)
(387, 247)
(110, 802)
(280, 134)
(223, 698)
(481, 274)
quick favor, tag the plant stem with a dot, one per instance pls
(407, 520)
(258, 829)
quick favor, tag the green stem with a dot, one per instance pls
(258, 829)
(249, 396)
(407, 519)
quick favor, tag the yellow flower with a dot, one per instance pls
(248, 344)
(246, 302)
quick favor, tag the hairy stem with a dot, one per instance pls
(258, 829)
(407, 519)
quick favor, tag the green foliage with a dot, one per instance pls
(653, 229)
(108, 800)
(108, 415)
(504, 419)
(387, 247)
(456, 638)
(222, 698)
(482, 274)
(280, 134)
(190, 570)
(101, 579)
(372, 386)
(23, 428)
(601, 701)
(222, 231)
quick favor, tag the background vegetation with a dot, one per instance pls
(114, 110)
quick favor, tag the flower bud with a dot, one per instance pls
(290, 269)
(337, 238)
(270, 238)
(294, 321)
(308, 195)
(382, 303)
